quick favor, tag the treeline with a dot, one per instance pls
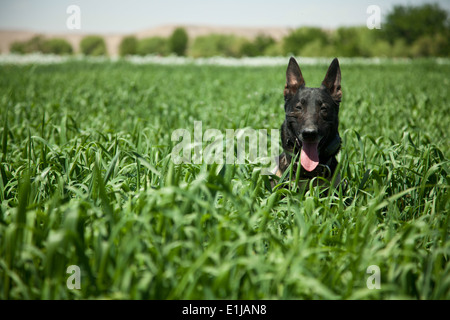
(409, 31)
(89, 45)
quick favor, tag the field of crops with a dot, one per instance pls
(87, 180)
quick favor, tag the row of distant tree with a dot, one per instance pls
(409, 31)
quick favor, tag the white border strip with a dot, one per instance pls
(38, 58)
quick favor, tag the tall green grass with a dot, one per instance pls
(87, 180)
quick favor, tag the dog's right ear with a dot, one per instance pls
(332, 81)
(294, 79)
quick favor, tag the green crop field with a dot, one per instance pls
(87, 180)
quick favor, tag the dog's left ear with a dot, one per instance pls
(332, 81)
(294, 79)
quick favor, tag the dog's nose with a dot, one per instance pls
(310, 134)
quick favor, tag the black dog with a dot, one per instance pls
(310, 129)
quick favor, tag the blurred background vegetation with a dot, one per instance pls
(408, 31)
(93, 46)
(40, 44)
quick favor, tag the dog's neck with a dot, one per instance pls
(331, 149)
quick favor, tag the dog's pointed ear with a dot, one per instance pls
(332, 81)
(294, 79)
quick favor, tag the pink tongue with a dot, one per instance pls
(309, 157)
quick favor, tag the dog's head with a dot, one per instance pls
(311, 123)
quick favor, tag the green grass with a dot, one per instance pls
(87, 180)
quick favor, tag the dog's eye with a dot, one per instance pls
(300, 104)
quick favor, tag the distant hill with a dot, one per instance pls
(197, 30)
(113, 40)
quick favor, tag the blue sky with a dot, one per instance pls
(125, 16)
